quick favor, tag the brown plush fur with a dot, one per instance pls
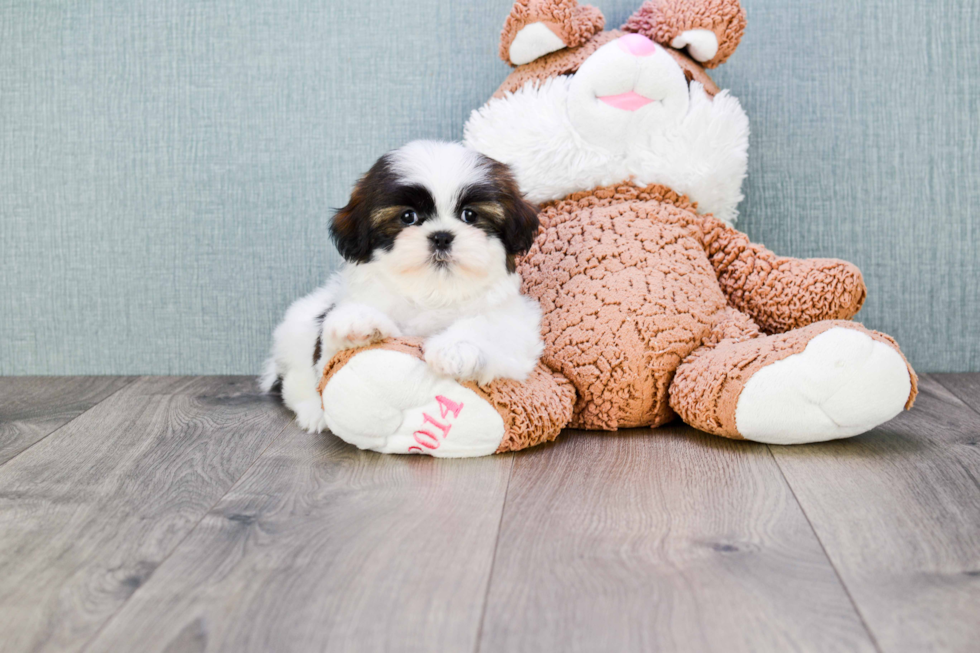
(632, 281)
(663, 20)
(778, 292)
(572, 23)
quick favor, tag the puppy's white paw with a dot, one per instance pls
(357, 325)
(309, 416)
(458, 359)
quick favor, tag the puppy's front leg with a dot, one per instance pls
(504, 344)
(352, 325)
(456, 355)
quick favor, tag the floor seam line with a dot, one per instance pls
(847, 591)
(493, 558)
(176, 546)
(937, 379)
(90, 408)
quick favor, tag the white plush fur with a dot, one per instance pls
(533, 41)
(387, 401)
(477, 324)
(559, 137)
(613, 70)
(701, 44)
(844, 383)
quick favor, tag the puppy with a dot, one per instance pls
(429, 238)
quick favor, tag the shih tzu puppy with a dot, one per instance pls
(429, 238)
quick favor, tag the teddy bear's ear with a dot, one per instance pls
(535, 28)
(709, 29)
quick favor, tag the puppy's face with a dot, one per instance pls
(436, 216)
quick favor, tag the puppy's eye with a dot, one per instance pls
(469, 216)
(410, 217)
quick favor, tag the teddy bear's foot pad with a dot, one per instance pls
(844, 383)
(392, 402)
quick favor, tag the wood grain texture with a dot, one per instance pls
(322, 547)
(666, 540)
(964, 386)
(161, 519)
(88, 513)
(31, 407)
(898, 511)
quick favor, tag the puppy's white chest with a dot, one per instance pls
(426, 323)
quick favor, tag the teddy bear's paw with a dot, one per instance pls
(392, 402)
(357, 325)
(844, 383)
(458, 359)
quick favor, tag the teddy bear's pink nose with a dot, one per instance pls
(637, 45)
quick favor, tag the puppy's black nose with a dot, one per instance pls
(441, 240)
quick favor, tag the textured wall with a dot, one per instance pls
(167, 168)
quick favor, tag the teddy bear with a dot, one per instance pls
(653, 306)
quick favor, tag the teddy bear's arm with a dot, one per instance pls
(777, 292)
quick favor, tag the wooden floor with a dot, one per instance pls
(190, 514)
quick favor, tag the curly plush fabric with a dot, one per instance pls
(664, 20)
(708, 384)
(632, 280)
(627, 292)
(557, 63)
(572, 23)
(781, 293)
(533, 411)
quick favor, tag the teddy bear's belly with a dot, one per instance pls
(626, 292)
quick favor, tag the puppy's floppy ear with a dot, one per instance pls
(352, 230)
(351, 226)
(520, 224)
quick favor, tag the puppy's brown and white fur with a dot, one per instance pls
(429, 236)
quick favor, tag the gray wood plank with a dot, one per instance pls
(964, 386)
(31, 407)
(321, 547)
(88, 513)
(898, 511)
(665, 540)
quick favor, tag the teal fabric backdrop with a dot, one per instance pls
(167, 169)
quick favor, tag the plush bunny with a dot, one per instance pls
(653, 305)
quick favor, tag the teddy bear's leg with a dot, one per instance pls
(386, 398)
(833, 379)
